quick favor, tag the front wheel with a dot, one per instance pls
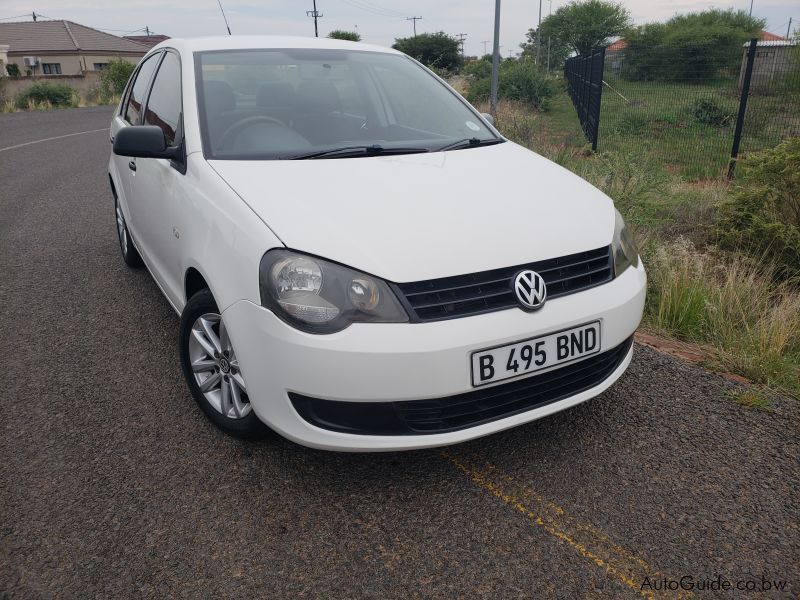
(212, 370)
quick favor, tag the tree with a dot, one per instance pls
(584, 26)
(12, 69)
(437, 50)
(115, 75)
(558, 49)
(696, 46)
(340, 34)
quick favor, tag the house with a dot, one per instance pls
(146, 40)
(63, 47)
(775, 61)
(615, 55)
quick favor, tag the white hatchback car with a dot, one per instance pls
(359, 259)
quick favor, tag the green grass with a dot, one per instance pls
(659, 120)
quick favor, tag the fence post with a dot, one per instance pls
(599, 96)
(737, 134)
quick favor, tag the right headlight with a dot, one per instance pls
(624, 248)
(319, 296)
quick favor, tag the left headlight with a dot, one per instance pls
(625, 252)
(318, 296)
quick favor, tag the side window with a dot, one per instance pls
(164, 103)
(134, 107)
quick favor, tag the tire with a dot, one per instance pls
(211, 369)
(129, 252)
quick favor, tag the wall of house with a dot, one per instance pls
(71, 64)
(3, 59)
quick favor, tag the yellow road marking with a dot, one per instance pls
(618, 562)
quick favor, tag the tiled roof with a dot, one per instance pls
(147, 40)
(766, 36)
(62, 36)
(616, 46)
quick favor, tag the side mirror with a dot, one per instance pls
(143, 141)
(489, 118)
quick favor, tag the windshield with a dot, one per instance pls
(284, 104)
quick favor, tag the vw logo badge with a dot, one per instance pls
(530, 289)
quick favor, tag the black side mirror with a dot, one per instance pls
(143, 141)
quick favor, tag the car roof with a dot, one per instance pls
(259, 42)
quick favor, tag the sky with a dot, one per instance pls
(378, 21)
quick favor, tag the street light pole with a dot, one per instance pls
(495, 60)
(539, 34)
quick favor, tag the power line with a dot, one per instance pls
(374, 9)
(414, 19)
(316, 14)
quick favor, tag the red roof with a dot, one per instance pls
(617, 46)
(147, 40)
(771, 37)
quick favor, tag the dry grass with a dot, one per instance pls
(730, 302)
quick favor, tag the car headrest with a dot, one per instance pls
(219, 96)
(276, 93)
(318, 96)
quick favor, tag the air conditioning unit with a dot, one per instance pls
(30, 61)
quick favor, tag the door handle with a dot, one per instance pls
(132, 165)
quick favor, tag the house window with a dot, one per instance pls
(51, 68)
(100, 66)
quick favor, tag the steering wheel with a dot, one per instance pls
(234, 130)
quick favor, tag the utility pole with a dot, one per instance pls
(147, 31)
(414, 19)
(789, 28)
(485, 51)
(461, 37)
(751, 8)
(495, 60)
(316, 14)
(34, 16)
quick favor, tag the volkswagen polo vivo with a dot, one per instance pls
(359, 259)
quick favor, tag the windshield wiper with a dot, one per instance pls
(472, 142)
(353, 151)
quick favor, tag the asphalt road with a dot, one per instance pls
(112, 484)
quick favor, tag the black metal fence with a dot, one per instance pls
(585, 84)
(688, 110)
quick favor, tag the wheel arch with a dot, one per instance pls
(193, 282)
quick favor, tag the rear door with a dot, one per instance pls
(130, 113)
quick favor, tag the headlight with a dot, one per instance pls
(318, 296)
(624, 248)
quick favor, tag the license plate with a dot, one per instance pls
(535, 354)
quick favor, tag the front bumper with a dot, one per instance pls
(397, 362)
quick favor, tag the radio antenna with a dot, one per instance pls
(223, 16)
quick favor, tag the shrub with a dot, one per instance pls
(350, 36)
(694, 46)
(518, 80)
(46, 93)
(12, 69)
(709, 111)
(437, 50)
(764, 213)
(115, 75)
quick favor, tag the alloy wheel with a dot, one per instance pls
(216, 368)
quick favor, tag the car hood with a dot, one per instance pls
(423, 216)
